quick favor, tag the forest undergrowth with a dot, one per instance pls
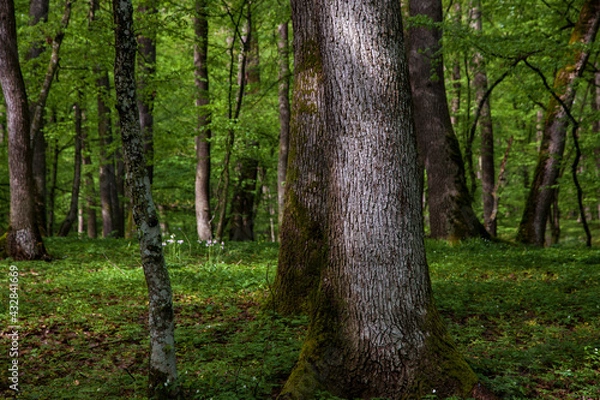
(527, 320)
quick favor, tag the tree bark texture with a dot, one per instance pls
(532, 228)
(24, 241)
(202, 180)
(284, 115)
(302, 231)
(112, 221)
(488, 172)
(451, 214)
(374, 330)
(162, 382)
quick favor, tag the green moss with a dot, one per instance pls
(445, 369)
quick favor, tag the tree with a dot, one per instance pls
(65, 227)
(284, 114)
(162, 381)
(244, 199)
(374, 329)
(24, 241)
(451, 214)
(202, 180)
(532, 228)
(147, 70)
(302, 230)
(488, 174)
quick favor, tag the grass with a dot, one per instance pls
(527, 320)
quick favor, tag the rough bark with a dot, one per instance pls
(302, 232)
(480, 82)
(112, 221)
(284, 115)
(24, 241)
(374, 330)
(532, 228)
(451, 214)
(202, 181)
(162, 380)
(65, 227)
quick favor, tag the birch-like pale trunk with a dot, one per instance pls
(162, 380)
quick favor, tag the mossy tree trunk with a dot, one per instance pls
(302, 231)
(24, 241)
(162, 382)
(374, 329)
(532, 229)
(451, 214)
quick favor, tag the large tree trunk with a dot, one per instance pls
(532, 229)
(451, 215)
(374, 329)
(72, 213)
(162, 382)
(24, 241)
(112, 221)
(488, 172)
(202, 183)
(284, 115)
(302, 231)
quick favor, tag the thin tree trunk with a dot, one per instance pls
(456, 84)
(202, 183)
(488, 173)
(532, 228)
(109, 200)
(24, 241)
(374, 331)
(243, 202)
(52, 189)
(147, 70)
(162, 381)
(38, 12)
(302, 231)
(451, 214)
(72, 214)
(234, 110)
(90, 192)
(284, 115)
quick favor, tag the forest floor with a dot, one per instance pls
(527, 320)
